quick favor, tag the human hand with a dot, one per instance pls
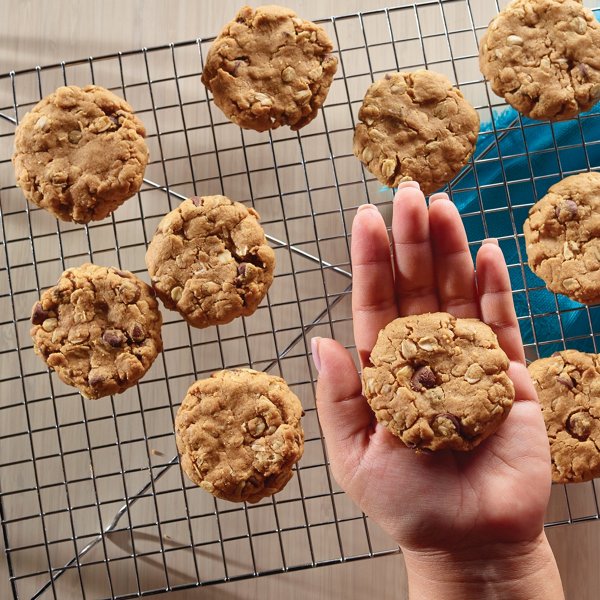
(490, 500)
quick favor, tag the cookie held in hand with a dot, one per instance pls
(438, 382)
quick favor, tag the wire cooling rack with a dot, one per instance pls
(93, 503)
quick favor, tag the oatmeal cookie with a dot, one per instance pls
(239, 434)
(562, 235)
(98, 328)
(269, 68)
(543, 58)
(439, 382)
(210, 261)
(568, 387)
(80, 153)
(415, 127)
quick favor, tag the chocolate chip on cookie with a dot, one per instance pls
(415, 127)
(80, 153)
(542, 57)
(239, 434)
(568, 387)
(82, 329)
(269, 68)
(562, 235)
(210, 261)
(438, 382)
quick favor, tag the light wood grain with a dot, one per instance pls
(39, 32)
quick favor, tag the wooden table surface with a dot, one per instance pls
(40, 32)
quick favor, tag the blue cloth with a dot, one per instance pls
(516, 161)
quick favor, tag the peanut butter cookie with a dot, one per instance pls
(568, 387)
(98, 328)
(415, 126)
(239, 434)
(269, 68)
(543, 58)
(562, 234)
(210, 261)
(80, 153)
(439, 382)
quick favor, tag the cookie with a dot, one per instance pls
(98, 328)
(269, 68)
(415, 127)
(568, 387)
(80, 153)
(209, 260)
(542, 57)
(562, 236)
(438, 382)
(239, 434)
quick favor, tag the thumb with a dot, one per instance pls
(345, 416)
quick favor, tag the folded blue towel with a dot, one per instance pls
(516, 161)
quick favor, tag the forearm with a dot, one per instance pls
(502, 572)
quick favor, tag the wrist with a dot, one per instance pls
(512, 571)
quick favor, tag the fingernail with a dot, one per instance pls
(409, 184)
(314, 346)
(492, 241)
(438, 196)
(367, 207)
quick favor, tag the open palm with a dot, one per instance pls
(495, 493)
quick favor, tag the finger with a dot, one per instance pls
(373, 300)
(524, 388)
(496, 300)
(455, 274)
(413, 262)
(344, 414)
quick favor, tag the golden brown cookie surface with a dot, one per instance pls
(239, 434)
(543, 58)
(80, 153)
(415, 126)
(562, 235)
(210, 261)
(568, 387)
(438, 382)
(98, 328)
(269, 68)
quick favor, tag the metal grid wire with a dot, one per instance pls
(93, 503)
